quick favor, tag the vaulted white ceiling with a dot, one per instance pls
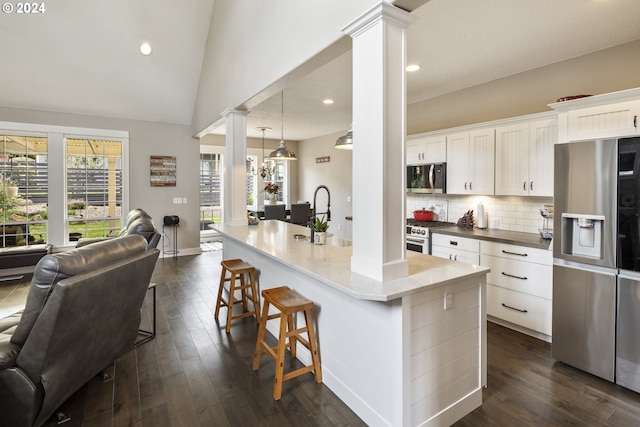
(82, 57)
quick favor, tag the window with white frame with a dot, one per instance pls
(24, 189)
(94, 187)
(262, 173)
(68, 183)
(277, 177)
(210, 188)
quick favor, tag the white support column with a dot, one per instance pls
(235, 172)
(379, 113)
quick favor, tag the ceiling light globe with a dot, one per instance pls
(145, 49)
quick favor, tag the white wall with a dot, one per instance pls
(608, 70)
(265, 42)
(145, 139)
(336, 175)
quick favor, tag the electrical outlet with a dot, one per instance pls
(177, 200)
(448, 299)
(184, 200)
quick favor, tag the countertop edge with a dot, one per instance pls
(501, 236)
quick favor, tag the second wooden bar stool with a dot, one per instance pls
(238, 270)
(287, 302)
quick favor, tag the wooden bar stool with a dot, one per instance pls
(288, 302)
(238, 270)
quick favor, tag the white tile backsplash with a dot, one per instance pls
(511, 213)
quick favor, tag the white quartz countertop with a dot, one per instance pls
(331, 263)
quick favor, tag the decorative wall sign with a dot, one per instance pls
(325, 159)
(163, 171)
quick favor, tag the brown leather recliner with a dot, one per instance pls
(82, 313)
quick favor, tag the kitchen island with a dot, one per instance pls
(398, 353)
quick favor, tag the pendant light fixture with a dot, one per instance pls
(265, 171)
(282, 152)
(345, 142)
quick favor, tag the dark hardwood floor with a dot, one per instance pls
(193, 374)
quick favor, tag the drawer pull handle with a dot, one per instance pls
(512, 253)
(453, 242)
(513, 308)
(514, 276)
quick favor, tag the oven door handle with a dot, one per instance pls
(418, 241)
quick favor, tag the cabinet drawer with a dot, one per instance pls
(515, 252)
(521, 309)
(530, 278)
(455, 242)
(456, 254)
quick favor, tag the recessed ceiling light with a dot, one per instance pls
(327, 101)
(145, 49)
(413, 67)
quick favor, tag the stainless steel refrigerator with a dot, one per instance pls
(584, 265)
(596, 285)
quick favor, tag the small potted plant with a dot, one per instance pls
(320, 227)
(272, 189)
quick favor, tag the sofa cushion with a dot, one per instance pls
(55, 267)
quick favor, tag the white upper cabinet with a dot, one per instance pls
(524, 158)
(543, 135)
(609, 115)
(470, 162)
(620, 119)
(426, 149)
(512, 160)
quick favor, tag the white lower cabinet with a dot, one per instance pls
(456, 248)
(519, 286)
(521, 309)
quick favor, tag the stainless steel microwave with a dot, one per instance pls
(429, 178)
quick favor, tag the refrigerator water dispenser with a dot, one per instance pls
(582, 235)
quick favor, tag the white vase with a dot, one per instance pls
(11, 191)
(272, 198)
(319, 238)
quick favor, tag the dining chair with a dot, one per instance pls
(275, 212)
(300, 213)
